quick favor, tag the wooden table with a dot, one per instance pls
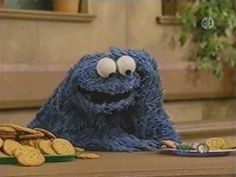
(148, 164)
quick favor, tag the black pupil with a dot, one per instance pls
(128, 72)
(112, 74)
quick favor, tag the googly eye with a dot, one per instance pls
(126, 65)
(106, 67)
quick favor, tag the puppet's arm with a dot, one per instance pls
(154, 123)
(166, 129)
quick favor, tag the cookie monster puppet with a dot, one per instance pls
(110, 102)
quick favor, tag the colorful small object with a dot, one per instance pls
(184, 148)
(202, 148)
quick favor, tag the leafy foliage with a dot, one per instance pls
(215, 47)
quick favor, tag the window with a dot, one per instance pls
(170, 8)
(60, 10)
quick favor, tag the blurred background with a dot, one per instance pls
(41, 39)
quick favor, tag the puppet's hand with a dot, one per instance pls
(169, 144)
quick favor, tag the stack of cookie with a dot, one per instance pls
(30, 146)
(218, 143)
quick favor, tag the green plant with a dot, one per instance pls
(215, 47)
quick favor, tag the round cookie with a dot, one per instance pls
(63, 147)
(1, 142)
(35, 143)
(17, 151)
(46, 133)
(30, 158)
(88, 156)
(215, 143)
(46, 147)
(78, 149)
(9, 146)
(24, 148)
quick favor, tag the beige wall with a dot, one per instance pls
(144, 32)
(48, 42)
(118, 23)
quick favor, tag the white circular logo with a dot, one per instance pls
(207, 23)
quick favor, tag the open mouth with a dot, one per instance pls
(99, 97)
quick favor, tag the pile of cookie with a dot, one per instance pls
(218, 143)
(30, 146)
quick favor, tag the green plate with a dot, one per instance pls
(49, 159)
(59, 158)
(8, 160)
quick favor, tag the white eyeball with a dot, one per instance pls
(126, 65)
(105, 67)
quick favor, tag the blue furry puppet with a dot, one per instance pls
(110, 102)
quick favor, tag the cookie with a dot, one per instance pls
(9, 133)
(32, 142)
(77, 149)
(46, 147)
(1, 142)
(24, 142)
(36, 142)
(24, 148)
(17, 151)
(88, 156)
(20, 129)
(229, 144)
(7, 136)
(30, 157)
(9, 146)
(46, 133)
(63, 147)
(31, 136)
(232, 144)
(215, 143)
(6, 129)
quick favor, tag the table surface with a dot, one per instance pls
(148, 164)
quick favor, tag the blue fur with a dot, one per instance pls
(136, 123)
